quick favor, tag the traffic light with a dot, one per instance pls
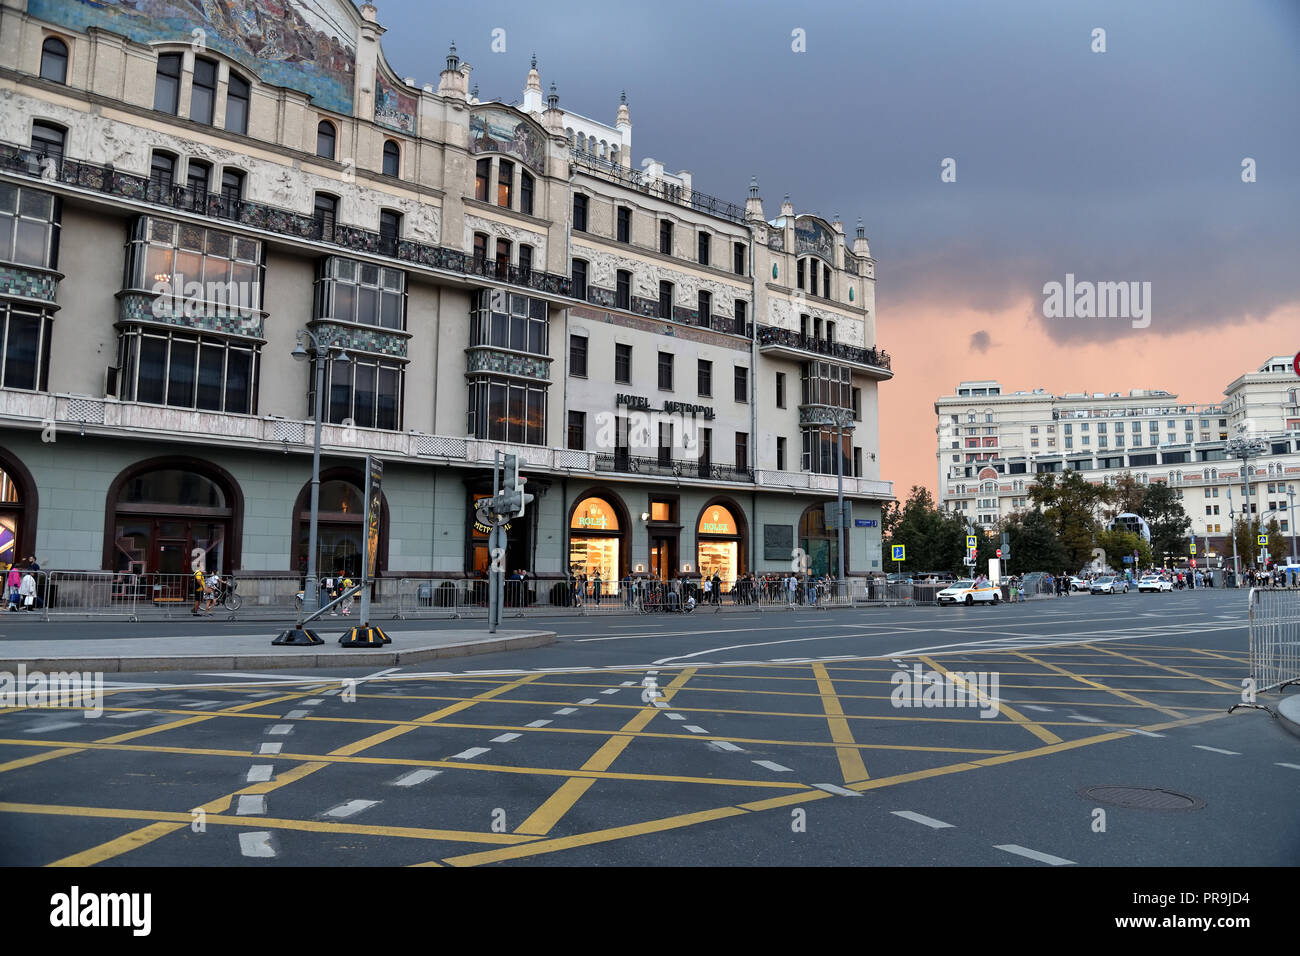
(512, 498)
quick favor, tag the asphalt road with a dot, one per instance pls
(797, 737)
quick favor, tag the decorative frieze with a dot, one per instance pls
(137, 307)
(831, 415)
(361, 338)
(19, 283)
(507, 363)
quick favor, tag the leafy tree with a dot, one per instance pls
(1070, 503)
(935, 539)
(1119, 544)
(1247, 534)
(1130, 495)
(1034, 545)
(1168, 521)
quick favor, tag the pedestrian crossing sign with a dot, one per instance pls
(970, 541)
(1263, 540)
(898, 552)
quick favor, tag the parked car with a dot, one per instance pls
(967, 592)
(1153, 582)
(1109, 585)
(1078, 584)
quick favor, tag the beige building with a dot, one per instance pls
(993, 442)
(183, 206)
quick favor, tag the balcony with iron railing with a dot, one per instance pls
(658, 188)
(624, 462)
(875, 362)
(221, 207)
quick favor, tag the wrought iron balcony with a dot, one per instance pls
(659, 188)
(627, 463)
(223, 207)
(772, 337)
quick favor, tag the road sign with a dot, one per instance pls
(898, 552)
(971, 541)
(1128, 559)
(1193, 551)
(1193, 562)
(1263, 540)
(1295, 363)
(999, 552)
(969, 562)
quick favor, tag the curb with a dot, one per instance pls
(1289, 713)
(309, 658)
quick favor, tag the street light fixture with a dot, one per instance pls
(317, 345)
(1245, 449)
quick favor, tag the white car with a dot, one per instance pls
(967, 592)
(1078, 584)
(1153, 582)
(1109, 586)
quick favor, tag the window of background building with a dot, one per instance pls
(48, 140)
(237, 97)
(666, 371)
(232, 187)
(364, 389)
(665, 443)
(390, 230)
(508, 321)
(666, 237)
(706, 447)
(742, 316)
(578, 431)
(578, 355)
(704, 378)
(182, 253)
(624, 224)
(579, 278)
(188, 371)
(325, 211)
(198, 177)
(361, 292)
(705, 313)
(505, 183)
(525, 258)
(857, 462)
(392, 159)
(167, 83)
(29, 227)
(481, 240)
(325, 137)
(503, 257)
(742, 451)
(54, 60)
(738, 256)
(507, 410)
(799, 271)
(742, 384)
(623, 289)
(622, 363)
(526, 186)
(826, 280)
(162, 173)
(25, 332)
(705, 248)
(482, 173)
(780, 389)
(780, 454)
(203, 91)
(665, 300)
(580, 213)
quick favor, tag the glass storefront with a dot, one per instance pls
(820, 544)
(480, 553)
(595, 542)
(164, 518)
(718, 545)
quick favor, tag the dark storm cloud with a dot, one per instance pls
(980, 341)
(1115, 166)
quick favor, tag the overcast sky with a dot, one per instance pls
(1117, 166)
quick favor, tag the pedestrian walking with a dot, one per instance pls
(198, 591)
(595, 588)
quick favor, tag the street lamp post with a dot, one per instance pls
(1245, 449)
(839, 521)
(1290, 490)
(320, 349)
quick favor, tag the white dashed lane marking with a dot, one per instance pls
(270, 748)
(505, 738)
(726, 745)
(696, 730)
(250, 804)
(920, 818)
(1216, 750)
(1034, 855)
(674, 716)
(137, 713)
(1091, 720)
(256, 844)
(351, 808)
(414, 777)
(537, 723)
(1144, 733)
(295, 714)
(279, 730)
(260, 773)
(1041, 710)
(769, 765)
(840, 791)
(313, 702)
(585, 701)
(469, 754)
(612, 690)
(565, 711)
(1292, 766)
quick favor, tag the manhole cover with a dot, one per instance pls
(1143, 798)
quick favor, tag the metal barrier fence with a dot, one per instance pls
(90, 594)
(1274, 638)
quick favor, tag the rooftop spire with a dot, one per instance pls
(453, 61)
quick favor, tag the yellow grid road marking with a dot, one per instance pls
(1091, 683)
(1236, 689)
(851, 766)
(1005, 709)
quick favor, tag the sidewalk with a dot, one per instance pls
(1288, 711)
(254, 652)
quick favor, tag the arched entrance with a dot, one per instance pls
(164, 512)
(597, 540)
(17, 511)
(720, 541)
(820, 543)
(340, 525)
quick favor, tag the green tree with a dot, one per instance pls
(1246, 533)
(1070, 504)
(1130, 495)
(1168, 522)
(1034, 545)
(1119, 544)
(934, 539)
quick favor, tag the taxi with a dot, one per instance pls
(967, 592)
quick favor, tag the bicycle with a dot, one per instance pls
(223, 594)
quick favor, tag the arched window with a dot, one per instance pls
(165, 513)
(167, 84)
(720, 542)
(237, 94)
(582, 142)
(17, 512)
(568, 134)
(526, 186)
(325, 137)
(54, 60)
(613, 154)
(48, 140)
(341, 526)
(203, 91)
(392, 159)
(596, 537)
(820, 543)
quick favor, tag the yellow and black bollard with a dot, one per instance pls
(365, 635)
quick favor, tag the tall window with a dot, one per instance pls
(742, 316)
(507, 410)
(623, 290)
(580, 212)
(742, 451)
(704, 377)
(237, 96)
(705, 309)
(738, 258)
(232, 186)
(622, 363)
(526, 186)
(780, 454)
(812, 277)
(780, 389)
(392, 159)
(167, 83)
(364, 389)
(799, 272)
(480, 249)
(188, 371)
(666, 237)
(203, 91)
(579, 278)
(704, 247)
(326, 210)
(482, 173)
(503, 257)
(666, 371)
(390, 230)
(665, 300)
(505, 183)
(178, 255)
(505, 320)
(26, 346)
(47, 141)
(826, 281)
(325, 137)
(162, 172)
(706, 447)
(54, 60)
(198, 179)
(665, 443)
(525, 258)
(577, 431)
(29, 227)
(578, 355)
(742, 384)
(624, 224)
(361, 292)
